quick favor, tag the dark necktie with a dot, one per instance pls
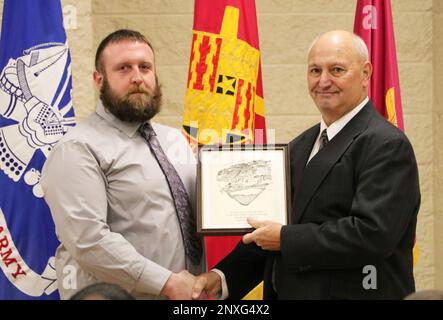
(193, 245)
(323, 139)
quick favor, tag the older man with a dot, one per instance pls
(120, 187)
(355, 198)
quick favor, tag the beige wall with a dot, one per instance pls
(286, 28)
(437, 114)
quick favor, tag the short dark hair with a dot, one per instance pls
(116, 36)
(107, 291)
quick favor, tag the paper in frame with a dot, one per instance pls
(236, 182)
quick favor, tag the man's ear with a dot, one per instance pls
(367, 72)
(98, 79)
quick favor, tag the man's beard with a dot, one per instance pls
(139, 107)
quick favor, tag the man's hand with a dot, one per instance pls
(179, 286)
(266, 234)
(207, 285)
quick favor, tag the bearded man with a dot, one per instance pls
(121, 188)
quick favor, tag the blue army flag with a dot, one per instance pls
(35, 112)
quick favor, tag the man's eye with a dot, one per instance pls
(145, 68)
(337, 70)
(315, 71)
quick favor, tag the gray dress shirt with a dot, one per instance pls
(112, 207)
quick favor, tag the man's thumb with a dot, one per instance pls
(198, 287)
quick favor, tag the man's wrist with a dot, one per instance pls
(168, 286)
(224, 286)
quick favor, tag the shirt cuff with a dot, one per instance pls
(152, 279)
(224, 286)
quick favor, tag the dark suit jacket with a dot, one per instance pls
(355, 204)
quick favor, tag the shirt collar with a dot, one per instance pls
(129, 128)
(339, 124)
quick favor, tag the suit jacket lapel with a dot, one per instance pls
(325, 159)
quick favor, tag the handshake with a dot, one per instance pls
(185, 286)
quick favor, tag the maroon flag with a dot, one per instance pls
(373, 22)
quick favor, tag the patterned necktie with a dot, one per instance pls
(193, 245)
(323, 139)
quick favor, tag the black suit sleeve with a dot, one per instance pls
(381, 215)
(243, 269)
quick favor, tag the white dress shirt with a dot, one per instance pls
(335, 127)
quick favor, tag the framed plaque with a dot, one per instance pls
(237, 182)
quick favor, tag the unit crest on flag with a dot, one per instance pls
(27, 87)
(221, 98)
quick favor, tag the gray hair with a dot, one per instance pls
(358, 43)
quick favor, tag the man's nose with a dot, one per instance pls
(136, 77)
(325, 80)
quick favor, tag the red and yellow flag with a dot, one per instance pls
(373, 22)
(224, 94)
